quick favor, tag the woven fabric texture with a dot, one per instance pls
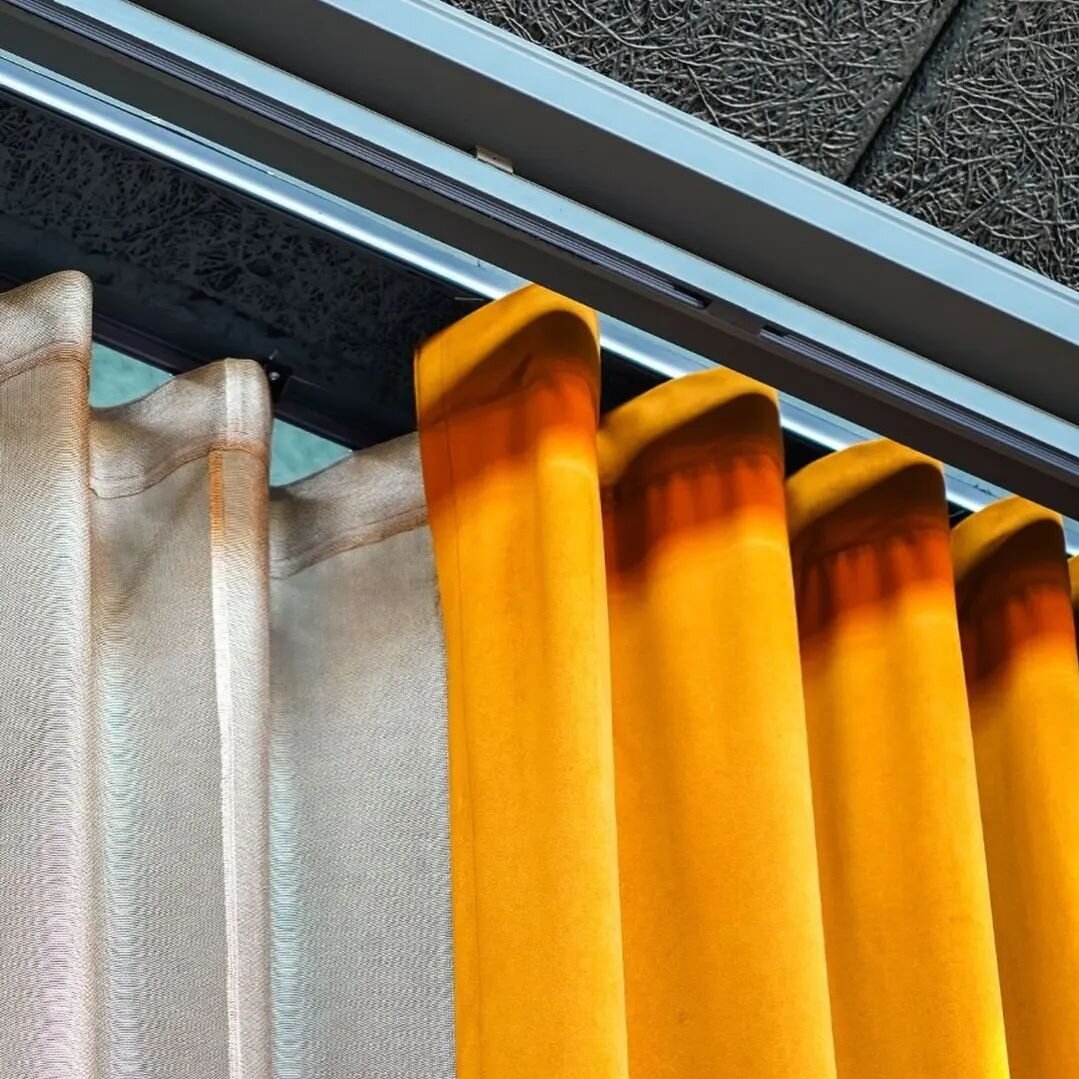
(208, 869)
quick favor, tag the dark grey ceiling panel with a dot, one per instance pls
(986, 143)
(809, 80)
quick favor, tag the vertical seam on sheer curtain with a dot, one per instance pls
(223, 676)
(68, 878)
(463, 741)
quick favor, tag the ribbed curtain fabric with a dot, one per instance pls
(532, 746)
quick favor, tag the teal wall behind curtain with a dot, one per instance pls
(294, 453)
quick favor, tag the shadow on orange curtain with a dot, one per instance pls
(1019, 649)
(716, 804)
(723, 941)
(907, 920)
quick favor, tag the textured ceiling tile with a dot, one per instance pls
(986, 143)
(809, 79)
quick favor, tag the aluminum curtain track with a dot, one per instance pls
(666, 225)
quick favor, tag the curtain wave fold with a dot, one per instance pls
(535, 744)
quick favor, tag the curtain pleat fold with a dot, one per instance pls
(507, 403)
(359, 831)
(1023, 682)
(722, 934)
(49, 1001)
(532, 744)
(181, 675)
(139, 679)
(911, 960)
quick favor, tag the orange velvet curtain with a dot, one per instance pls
(749, 777)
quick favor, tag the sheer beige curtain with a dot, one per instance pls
(163, 795)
